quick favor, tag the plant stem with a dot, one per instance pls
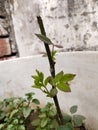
(52, 68)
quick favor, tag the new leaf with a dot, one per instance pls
(44, 39)
(63, 87)
(68, 77)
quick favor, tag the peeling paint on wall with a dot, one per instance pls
(71, 23)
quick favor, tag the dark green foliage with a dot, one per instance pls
(74, 119)
(14, 112)
(68, 126)
(46, 118)
(78, 120)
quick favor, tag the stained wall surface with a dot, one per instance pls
(70, 23)
(8, 47)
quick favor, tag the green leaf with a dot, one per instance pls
(37, 71)
(35, 77)
(26, 111)
(42, 129)
(49, 105)
(37, 86)
(52, 113)
(47, 80)
(67, 77)
(63, 87)
(73, 109)
(21, 127)
(53, 124)
(78, 120)
(15, 121)
(45, 109)
(36, 122)
(21, 100)
(63, 127)
(53, 53)
(70, 126)
(38, 83)
(10, 127)
(13, 113)
(44, 122)
(53, 92)
(58, 78)
(44, 39)
(1, 126)
(29, 95)
(67, 118)
(36, 101)
(43, 115)
(41, 76)
(2, 115)
(1, 104)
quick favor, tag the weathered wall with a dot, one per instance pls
(71, 23)
(8, 48)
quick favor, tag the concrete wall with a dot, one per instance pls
(71, 23)
(15, 80)
(8, 48)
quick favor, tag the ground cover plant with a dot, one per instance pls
(17, 113)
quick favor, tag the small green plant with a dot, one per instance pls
(46, 118)
(73, 120)
(14, 112)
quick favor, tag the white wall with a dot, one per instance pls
(71, 23)
(15, 80)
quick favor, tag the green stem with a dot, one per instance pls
(52, 68)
